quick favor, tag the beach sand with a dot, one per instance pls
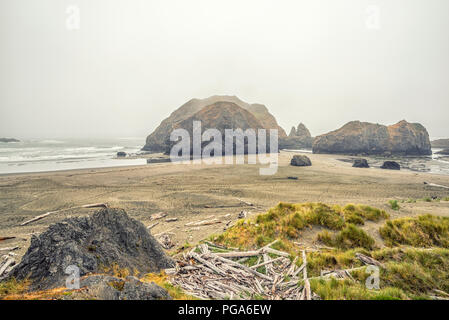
(197, 192)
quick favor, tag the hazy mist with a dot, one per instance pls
(131, 63)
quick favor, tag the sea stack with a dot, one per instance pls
(402, 138)
(298, 138)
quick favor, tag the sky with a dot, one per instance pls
(117, 68)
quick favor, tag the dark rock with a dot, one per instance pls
(300, 161)
(7, 140)
(391, 165)
(158, 140)
(358, 137)
(104, 287)
(121, 154)
(94, 244)
(292, 178)
(360, 163)
(158, 160)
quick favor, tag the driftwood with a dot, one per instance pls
(202, 223)
(6, 238)
(151, 226)
(159, 215)
(368, 260)
(42, 216)
(4, 267)
(436, 185)
(171, 219)
(306, 291)
(9, 248)
(245, 202)
(205, 274)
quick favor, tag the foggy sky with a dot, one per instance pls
(131, 63)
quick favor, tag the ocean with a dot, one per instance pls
(55, 155)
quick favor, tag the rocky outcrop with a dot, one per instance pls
(106, 240)
(221, 116)
(298, 138)
(360, 163)
(104, 287)
(357, 137)
(440, 143)
(157, 141)
(391, 165)
(300, 161)
(7, 140)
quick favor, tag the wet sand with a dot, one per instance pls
(198, 191)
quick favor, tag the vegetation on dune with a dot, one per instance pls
(350, 237)
(409, 271)
(422, 231)
(286, 221)
(394, 204)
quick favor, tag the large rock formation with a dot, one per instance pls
(440, 143)
(221, 116)
(358, 137)
(108, 239)
(157, 141)
(298, 138)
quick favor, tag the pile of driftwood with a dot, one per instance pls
(210, 271)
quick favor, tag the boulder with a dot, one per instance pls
(300, 161)
(358, 137)
(158, 140)
(107, 240)
(360, 163)
(121, 154)
(391, 165)
(104, 287)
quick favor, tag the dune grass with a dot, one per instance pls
(350, 237)
(286, 221)
(422, 231)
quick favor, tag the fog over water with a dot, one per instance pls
(129, 64)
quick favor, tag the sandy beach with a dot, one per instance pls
(195, 192)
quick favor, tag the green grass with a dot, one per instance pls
(349, 290)
(394, 205)
(422, 231)
(286, 221)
